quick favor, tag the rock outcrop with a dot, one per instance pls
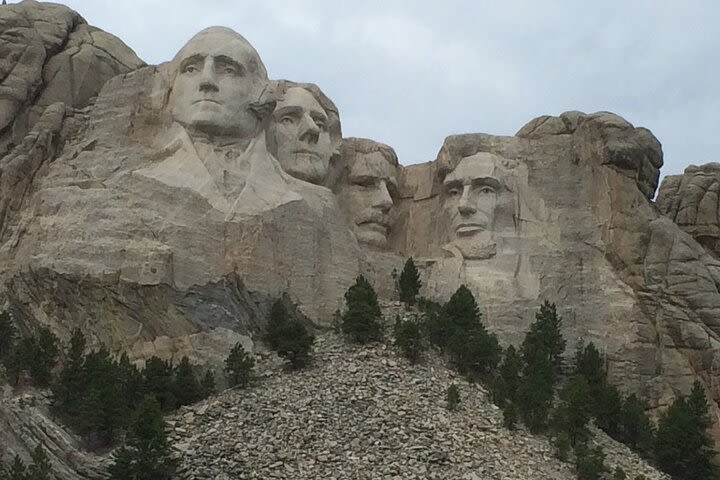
(161, 209)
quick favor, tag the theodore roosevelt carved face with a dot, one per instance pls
(368, 189)
(218, 78)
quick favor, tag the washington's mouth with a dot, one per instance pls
(307, 152)
(206, 100)
(469, 228)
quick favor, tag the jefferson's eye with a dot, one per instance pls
(286, 120)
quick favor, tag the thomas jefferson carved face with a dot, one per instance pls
(218, 77)
(367, 197)
(470, 198)
(298, 136)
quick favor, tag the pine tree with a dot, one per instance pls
(409, 338)
(131, 383)
(462, 310)
(103, 411)
(361, 320)
(146, 455)
(239, 366)
(186, 388)
(278, 318)
(544, 344)
(607, 403)
(7, 335)
(40, 468)
(158, 381)
(409, 283)
(207, 384)
(507, 383)
(684, 448)
(70, 385)
(535, 396)
(17, 471)
(453, 397)
(637, 429)
(574, 411)
(295, 343)
(474, 352)
(589, 462)
(541, 352)
(590, 365)
(44, 355)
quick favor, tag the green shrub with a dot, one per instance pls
(453, 397)
(239, 366)
(361, 322)
(409, 338)
(619, 473)
(409, 283)
(589, 462)
(561, 442)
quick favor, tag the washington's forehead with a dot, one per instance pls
(218, 41)
(481, 165)
(373, 165)
(299, 97)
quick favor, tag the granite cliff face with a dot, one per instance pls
(162, 208)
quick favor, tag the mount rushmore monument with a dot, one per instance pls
(162, 208)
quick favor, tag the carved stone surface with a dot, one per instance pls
(304, 134)
(185, 196)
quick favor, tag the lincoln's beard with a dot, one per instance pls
(480, 246)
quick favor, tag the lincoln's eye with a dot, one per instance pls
(453, 191)
(230, 70)
(487, 190)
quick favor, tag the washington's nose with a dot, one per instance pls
(382, 200)
(465, 207)
(309, 130)
(208, 82)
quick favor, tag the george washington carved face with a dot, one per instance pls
(218, 77)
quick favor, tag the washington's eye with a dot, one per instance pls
(190, 69)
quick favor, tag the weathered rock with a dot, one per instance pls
(49, 54)
(691, 201)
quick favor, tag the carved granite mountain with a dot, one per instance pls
(161, 208)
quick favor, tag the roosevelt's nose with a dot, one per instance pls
(208, 79)
(465, 207)
(382, 199)
(309, 130)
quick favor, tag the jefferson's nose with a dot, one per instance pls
(382, 199)
(208, 81)
(465, 207)
(309, 130)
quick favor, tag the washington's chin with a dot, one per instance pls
(372, 234)
(477, 247)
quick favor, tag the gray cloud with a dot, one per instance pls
(411, 73)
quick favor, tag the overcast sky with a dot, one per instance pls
(410, 73)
